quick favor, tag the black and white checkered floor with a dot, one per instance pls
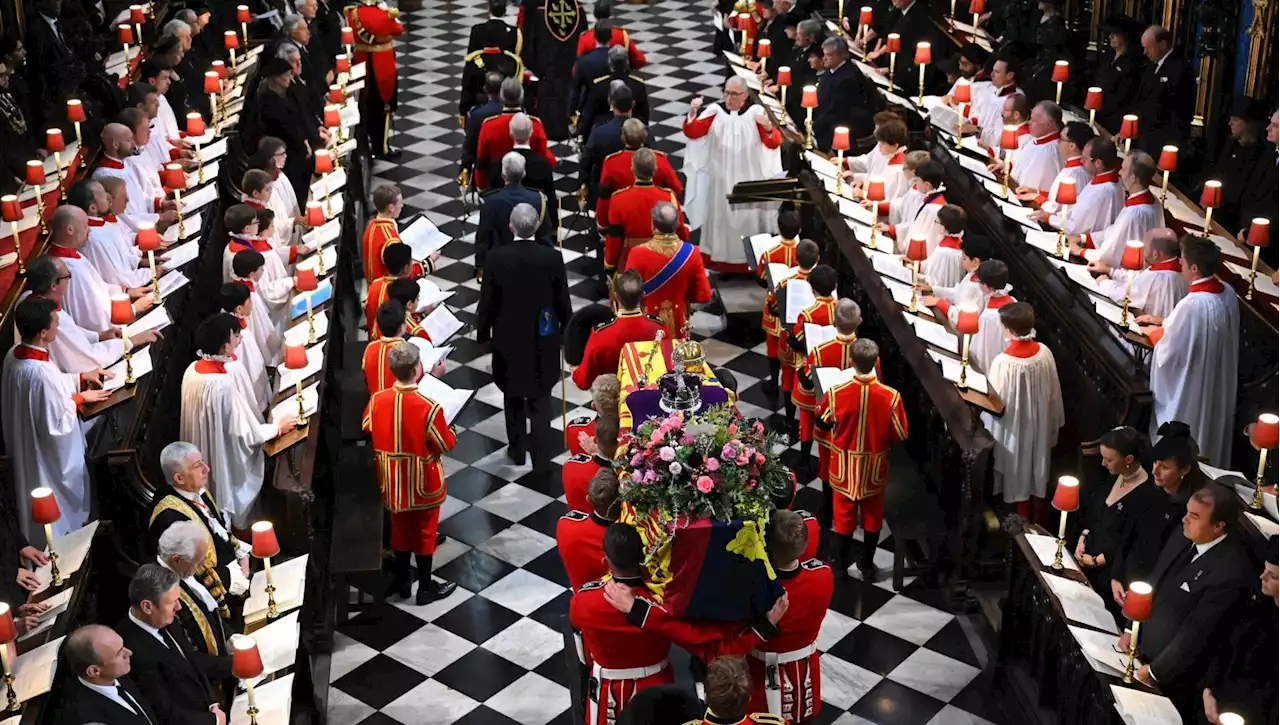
(492, 652)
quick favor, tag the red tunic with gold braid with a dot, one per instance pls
(803, 394)
(410, 435)
(795, 661)
(616, 175)
(837, 353)
(783, 253)
(377, 235)
(688, 285)
(630, 221)
(375, 26)
(866, 418)
(587, 43)
(790, 359)
(606, 342)
(377, 295)
(377, 373)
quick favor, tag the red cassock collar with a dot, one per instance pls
(1022, 348)
(1074, 162)
(998, 301)
(1105, 177)
(110, 163)
(1211, 285)
(63, 252)
(1142, 197)
(26, 352)
(1047, 139)
(950, 242)
(1168, 265)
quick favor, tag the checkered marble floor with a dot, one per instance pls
(492, 652)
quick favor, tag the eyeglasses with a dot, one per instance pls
(65, 277)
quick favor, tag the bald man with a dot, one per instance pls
(1156, 289)
(88, 296)
(118, 146)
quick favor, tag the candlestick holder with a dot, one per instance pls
(840, 172)
(177, 199)
(1062, 250)
(54, 574)
(1132, 653)
(57, 168)
(128, 360)
(311, 324)
(920, 97)
(963, 382)
(79, 139)
(272, 610)
(44, 226)
(893, 62)
(302, 408)
(1253, 272)
(915, 285)
(808, 129)
(17, 247)
(199, 166)
(252, 710)
(1258, 497)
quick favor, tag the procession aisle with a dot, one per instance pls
(492, 653)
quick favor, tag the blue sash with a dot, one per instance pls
(670, 269)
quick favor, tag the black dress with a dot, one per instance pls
(1118, 78)
(1112, 530)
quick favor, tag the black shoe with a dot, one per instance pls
(515, 455)
(391, 155)
(867, 562)
(440, 539)
(402, 581)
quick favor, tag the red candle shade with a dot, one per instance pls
(1093, 99)
(246, 661)
(1061, 71)
(35, 173)
(840, 138)
(1066, 497)
(306, 280)
(924, 53)
(44, 507)
(917, 249)
(967, 321)
(124, 33)
(1168, 158)
(893, 43)
(53, 140)
(230, 40)
(137, 14)
(1211, 197)
(1129, 126)
(295, 358)
(10, 208)
(212, 83)
(764, 48)
(221, 68)
(864, 16)
(348, 36)
(121, 310)
(335, 94)
(8, 629)
(875, 188)
(810, 97)
(174, 177)
(195, 124)
(784, 75)
(1066, 193)
(1009, 138)
(148, 240)
(977, 7)
(342, 63)
(1259, 232)
(1132, 259)
(242, 13)
(1137, 603)
(331, 117)
(1266, 432)
(324, 161)
(75, 110)
(264, 534)
(744, 22)
(963, 91)
(315, 213)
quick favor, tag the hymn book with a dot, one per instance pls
(156, 319)
(198, 199)
(429, 354)
(424, 237)
(933, 333)
(430, 294)
(1046, 548)
(323, 235)
(330, 183)
(441, 325)
(1100, 650)
(330, 255)
(799, 298)
(274, 701)
(212, 151)
(142, 365)
(756, 245)
(277, 645)
(451, 399)
(34, 670)
(289, 406)
(974, 166)
(181, 255)
(72, 549)
(951, 371)
(775, 274)
(1081, 604)
(1144, 708)
(815, 335)
(210, 176)
(289, 578)
(828, 378)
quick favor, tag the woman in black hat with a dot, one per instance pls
(1241, 160)
(1119, 74)
(277, 112)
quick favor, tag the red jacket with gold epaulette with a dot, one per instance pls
(605, 344)
(377, 235)
(587, 43)
(784, 253)
(821, 312)
(631, 220)
(495, 141)
(580, 541)
(576, 475)
(866, 418)
(375, 26)
(616, 174)
(410, 435)
(377, 373)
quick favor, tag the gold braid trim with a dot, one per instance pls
(208, 571)
(210, 642)
(664, 244)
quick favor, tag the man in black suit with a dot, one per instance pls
(1202, 574)
(843, 99)
(595, 104)
(174, 678)
(476, 117)
(57, 71)
(95, 686)
(537, 170)
(592, 65)
(524, 305)
(910, 20)
(494, 230)
(1165, 93)
(604, 139)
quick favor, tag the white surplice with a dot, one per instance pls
(1193, 368)
(967, 291)
(990, 113)
(218, 418)
(1038, 162)
(875, 163)
(266, 333)
(730, 153)
(275, 259)
(1028, 430)
(1155, 290)
(44, 439)
(284, 203)
(88, 296)
(250, 369)
(1097, 205)
(141, 206)
(922, 224)
(903, 208)
(989, 340)
(113, 253)
(1073, 169)
(1140, 214)
(944, 267)
(167, 122)
(77, 350)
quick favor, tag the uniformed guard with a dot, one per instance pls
(587, 42)
(786, 252)
(608, 338)
(630, 222)
(580, 533)
(493, 46)
(495, 133)
(728, 687)
(837, 353)
(672, 269)
(375, 27)
(593, 106)
(374, 363)
(616, 174)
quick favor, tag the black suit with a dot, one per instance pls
(595, 105)
(492, 33)
(326, 31)
(843, 100)
(193, 614)
(538, 175)
(78, 705)
(174, 678)
(1164, 103)
(494, 230)
(284, 116)
(55, 71)
(915, 27)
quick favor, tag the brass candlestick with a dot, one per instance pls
(1062, 251)
(1164, 186)
(1253, 271)
(840, 171)
(1008, 169)
(272, 610)
(17, 247)
(808, 129)
(1256, 503)
(128, 360)
(1062, 541)
(893, 61)
(920, 98)
(199, 166)
(155, 275)
(44, 227)
(963, 383)
(1133, 653)
(872, 244)
(177, 199)
(252, 710)
(57, 168)
(915, 284)
(302, 408)
(1124, 306)
(79, 139)
(54, 574)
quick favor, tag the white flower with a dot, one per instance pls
(675, 468)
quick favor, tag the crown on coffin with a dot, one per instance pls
(680, 392)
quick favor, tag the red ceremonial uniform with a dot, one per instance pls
(628, 652)
(377, 373)
(576, 426)
(410, 435)
(605, 344)
(262, 246)
(815, 534)
(580, 541)
(616, 174)
(866, 418)
(803, 393)
(587, 43)
(837, 353)
(630, 221)
(674, 278)
(790, 359)
(576, 475)
(377, 295)
(784, 253)
(785, 671)
(495, 141)
(377, 235)
(374, 27)
(754, 718)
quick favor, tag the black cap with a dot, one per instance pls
(579, 329)
(1248, 108)
(274, 66)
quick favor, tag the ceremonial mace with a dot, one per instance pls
(1259, 236)
(1263, 435)
(1137, 607)
(1066, 498)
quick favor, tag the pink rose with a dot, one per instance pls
(751, 484)
(656, 435)
(732, 429)
(686, 440)
(728, 451)
(713, 464)
(758, 427)
(742, 460)
(759, 459)
(650, 476)
(637, 476)
(705, 484)
(636, 459)
(667, 453)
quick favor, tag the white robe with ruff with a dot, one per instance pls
(1037, 163)
(1154, 292)
(1027, 432)
(111, 249)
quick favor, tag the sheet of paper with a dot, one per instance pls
(862, 233)
(1100, 648)
(210, 175)
(320, 295)
(424, 237)
(815, 335)
(353, 89)
(1144, 708)
(58, 604)
(996, 189)
(902, 294)
(33, 671)
(329, 184)
(346, 147)
(274, 701)
(756, 245)
(429, 354)
(751, 79)
(358, 70)
(970, 143)
(734, 58)
(300, 333)
(441, 325)
(933, 333)
(171, 282)
(277, 645)
(775, 274)
(1261, 282)
(1246, 492)
(1047, 242)
(349, 116)
(1078, 273)
(1266, 526)
(156, 319)
(141, 362)
(951, 371)
(192, 225)
(214, 150)
(890, 265)
(855, 211)
(1113, 314)
(287, 378)
(451, 399)
(72, 550)
(800, 297)
(870, 72)
(821, 166)
(1081, 604)
(1045, 548)
(828, 378)
(323, 235)
(199, 198)
(1019, 214)
(181, 254)
(430, 295)
(333, 208)
(330, 255)
(289, 578)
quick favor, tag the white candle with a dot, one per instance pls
(151, 260)
(308, 304)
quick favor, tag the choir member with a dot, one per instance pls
(494, 231)
(88, 296)
(1176, 642)
(1154, 290)
(1242, 676)
(1071, 142)
(390, 320)
(784, 253)
(161, 76)
(256, 188)
(674, 278)
(580, 532)
(1165, 92)
(146, 198)
(524, 304)
(1040, 160)
(175, 679)
(1014, 110)
(148, 162)
(989, 109)
(885, 160)
(836, 353)
(577, 472)
(271, 157)
(629, 223)
(1109, 549)
(381, 230)
(397, 263)
(866, 418)
(993, 278)
(98, 688)
(495, 140)
(945, 266)
(1193, 367)
(249, 367)
(616, 174)
(42, 430)
(1100, 201)
(410, 434)
(804, 396)
(631, 324)
(220, 419)
(1139, 214)
(971, 62)
(158, 150)
(901, 210)
(1118, 75)
(1025, 376)
(974, 250)
(244, 227)
(185, 497)
(790, 361)
(928, 182)
(109, 248)
(184, 547)
(267, 304)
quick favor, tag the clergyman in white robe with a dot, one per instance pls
(1038, 162)
(88, 296)
(725, 148)
(1025, 376)
(113, 253)
(1140, 214)
(1193, 368)
(1155, 290)
(1098, 204)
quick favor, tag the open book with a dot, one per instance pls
(424, 237)
(451, 399)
